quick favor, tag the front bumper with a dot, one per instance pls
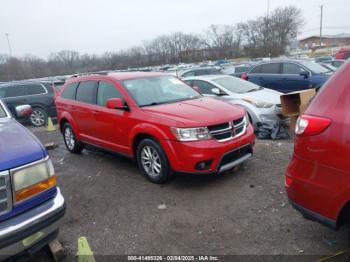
(184, 156)
(27, 229)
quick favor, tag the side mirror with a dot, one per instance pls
(23, 111)
(217, 92)
(116, 103)
(305, 74)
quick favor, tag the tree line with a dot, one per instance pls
(264, 36)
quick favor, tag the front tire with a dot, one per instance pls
(153, 162)
(70, 140)
(38, 117)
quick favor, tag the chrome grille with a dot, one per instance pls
(226, 131)
(5, 192)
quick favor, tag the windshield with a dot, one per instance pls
(236, 85)
(314, 67)
(159, 90)
(2, 112)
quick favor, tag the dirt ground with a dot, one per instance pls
(242, 213)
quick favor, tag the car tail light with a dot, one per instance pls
(311, 125)
(244, 76)
(288, 181)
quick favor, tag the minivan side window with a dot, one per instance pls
(70, 91)
(272, 68)
(106, 91)
(13, 91)
(35, 89)
(87, 92)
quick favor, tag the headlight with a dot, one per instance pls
(33, 179)
(191, 134)
(246, 119)
(259, 103)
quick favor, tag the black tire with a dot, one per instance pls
(38, 117)
(73, 145)
(165, 171)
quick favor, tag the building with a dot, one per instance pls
(328, 41)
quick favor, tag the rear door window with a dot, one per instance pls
(106, 91)
(273, 68)
(70, 91)
(14, 91)
(35, 89)
(256, 70)
(87, 92)
(292, 69)
(3, 91)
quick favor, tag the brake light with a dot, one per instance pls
(244, 76)
(311, 125)
(288, 181)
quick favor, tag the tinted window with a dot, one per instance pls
(105, 92)
(35, 89)
(69, 91)
(241, 69)
(292, 69)
(3, 91)
(87, 92)
(191, 73)
(272, 68)
(204, 87)
(256, 70)
(13, 91)
(347, 56)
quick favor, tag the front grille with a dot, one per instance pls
(229, 130)
(236, 154)
(5, 192)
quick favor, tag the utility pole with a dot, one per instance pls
(321, 25)
(8, 42)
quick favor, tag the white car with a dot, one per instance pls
(262, 104)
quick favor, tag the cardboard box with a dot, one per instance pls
(295, 103)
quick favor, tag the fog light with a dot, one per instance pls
(203, 165)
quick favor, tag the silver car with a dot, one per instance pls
(262, 104)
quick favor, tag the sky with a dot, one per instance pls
(39, 27)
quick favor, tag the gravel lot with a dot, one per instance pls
(242, 213)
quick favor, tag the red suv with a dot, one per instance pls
(318, 177)
(156, 119)
(343, 53)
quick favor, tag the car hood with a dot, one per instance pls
(265, 94)
(203, 111)
(17, 145)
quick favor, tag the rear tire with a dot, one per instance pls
(70, 140)
(153, 162)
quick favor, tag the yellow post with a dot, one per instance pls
(50, 126)
(84, 251)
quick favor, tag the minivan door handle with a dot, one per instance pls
(95, 112)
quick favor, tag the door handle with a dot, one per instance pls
(95, 113)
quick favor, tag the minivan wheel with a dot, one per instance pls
(70, 140)
(38, 117)
(152, 161)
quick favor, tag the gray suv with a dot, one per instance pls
(40, 95)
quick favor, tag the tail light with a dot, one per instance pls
(244, 76)
(311, 125)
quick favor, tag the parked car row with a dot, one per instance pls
(167, 127)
